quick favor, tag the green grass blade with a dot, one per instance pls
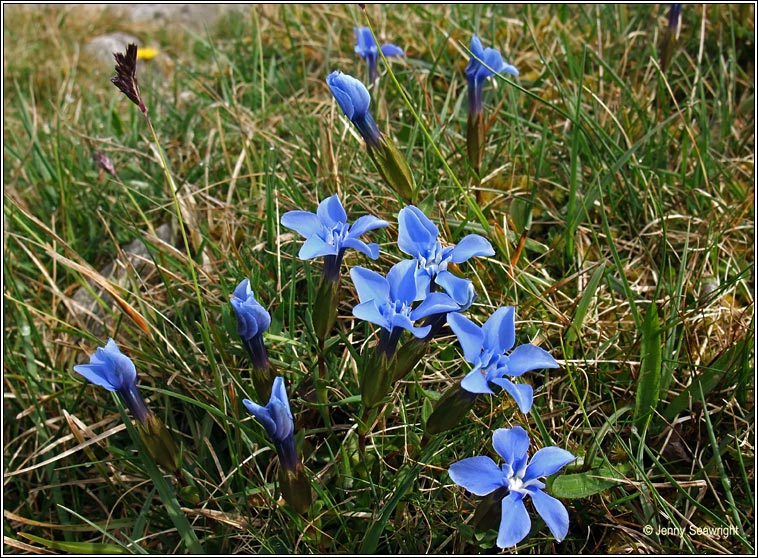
(166, 492)
(649, 381)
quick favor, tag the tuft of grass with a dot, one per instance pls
(619, 198)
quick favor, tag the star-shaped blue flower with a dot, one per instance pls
(366, 48)
(387, 302)
(481, 476)
(327, 233)
(485, 348)
(419, 238)
(484, 62)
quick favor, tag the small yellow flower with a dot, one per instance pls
(147, 53)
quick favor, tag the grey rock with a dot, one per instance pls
(93, 314)
(103, 47)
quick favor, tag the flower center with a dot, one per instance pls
(516, 481)
(488, 360)
(516, 484)
(336, 234)
(395, 308)
(435, 260)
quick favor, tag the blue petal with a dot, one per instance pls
(423, 283)
(477, 52)
(121, 371)
(351, 95)
(279, 393)
(364, 41)
(479, 475)
(528, 357)
(547, 461)
(402, 281)
(96, 374)
(282, 418)
(472, 245)
(370, 285)
(247, 325)
(553, 512)
(305, 223)
(330, 212)
(369, 311)
(508, 69)
(435, 303)
(512, 444)
(405, 323)
(521, 393)
(315, 247)
(469, 335)
(392, 50)
(371, 250)
(261, 317)
(514, 521)
(459, 289)
(243, 290)
(263, 415)
(416, 233)
(364, 224)
(476, 382)
(500, 330)
(494, 60)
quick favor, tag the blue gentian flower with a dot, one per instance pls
(327, 233)
(252, 321)
(485, 348)
(418, 237)
(110, 368)
(354, 99)
(484, 62)
(675, 11)
(276, 418)
(481, 476)
(387, 302)
(366, 48)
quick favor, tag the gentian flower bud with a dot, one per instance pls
(110, 368)
(252, 321)
(277, 420)
(354, 99)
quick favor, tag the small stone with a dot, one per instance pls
(103, 46)
(92, 314)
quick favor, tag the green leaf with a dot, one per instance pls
(521, 213)
(583, 485)
(649, 383)
(583, 306)
(77, 547)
